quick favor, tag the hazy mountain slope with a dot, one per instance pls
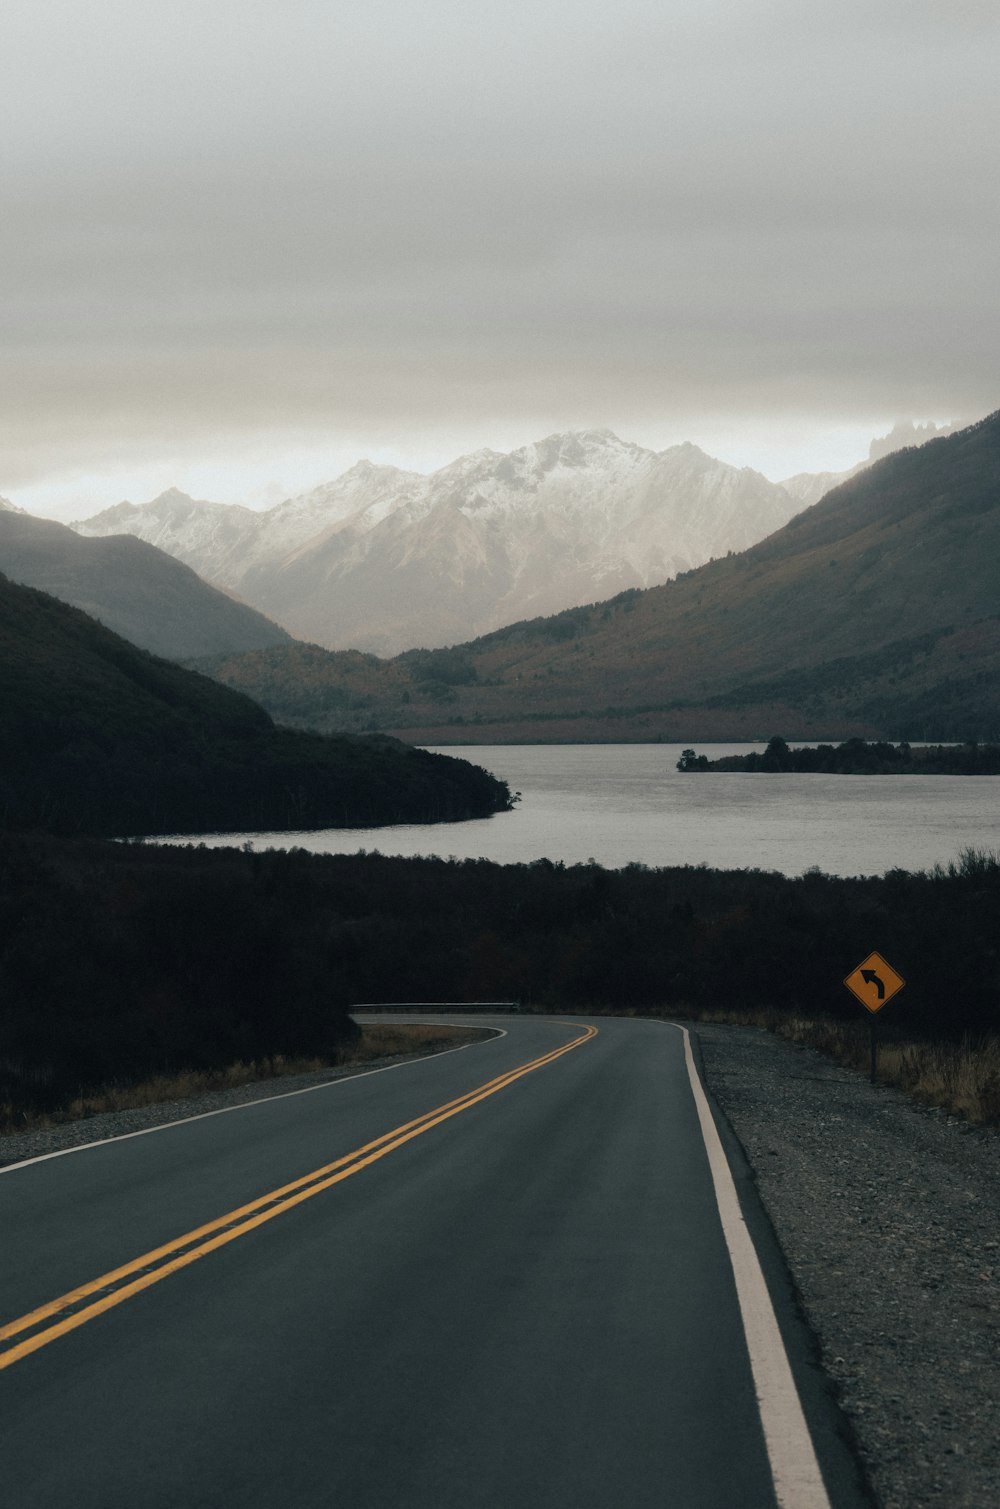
(905, 434)
(98, 736)
(383, 559)
(909, 546)
(209, 537)
(223, 541)
(808, 487)
(493, 538)
(874, 611)
(136, 590)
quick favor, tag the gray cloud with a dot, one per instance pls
(218, 217)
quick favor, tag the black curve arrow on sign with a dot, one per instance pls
(871, 978)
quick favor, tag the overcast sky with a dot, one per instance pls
(243, 244)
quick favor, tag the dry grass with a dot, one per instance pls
(961, 1077)
(964, 1077)
(374, 1043)
(379, 1041)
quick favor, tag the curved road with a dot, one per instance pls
(499, 1278)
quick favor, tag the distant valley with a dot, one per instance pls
(874, 612)
(871, 612)
(384, 560)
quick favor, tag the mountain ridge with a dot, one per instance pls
(140, 592)
(382, 559)
(873, 613)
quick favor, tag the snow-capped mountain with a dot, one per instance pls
(210, 537)
(383, 559)
(222, 541)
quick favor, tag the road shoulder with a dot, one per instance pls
(888, 1218)
(60, 1137)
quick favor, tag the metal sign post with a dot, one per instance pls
(874, 983)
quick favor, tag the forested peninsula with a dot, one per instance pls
(99, 737)
(856, 757)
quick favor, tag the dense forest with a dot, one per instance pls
(119, 961)
(856, 757)
(97, 736)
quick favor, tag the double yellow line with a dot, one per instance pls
(78, 1306)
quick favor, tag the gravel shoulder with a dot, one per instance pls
(889, 1218)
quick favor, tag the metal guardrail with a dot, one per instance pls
(462, 1006)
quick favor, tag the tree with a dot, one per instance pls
(691, 761)
(776, 756)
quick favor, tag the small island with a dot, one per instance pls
(857, 757)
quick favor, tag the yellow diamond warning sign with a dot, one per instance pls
(874, 982)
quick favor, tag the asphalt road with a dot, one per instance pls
(523, 1297)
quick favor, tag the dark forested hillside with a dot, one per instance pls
(875, 612)
(99, 737)
(157, 959)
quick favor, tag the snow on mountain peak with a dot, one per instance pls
(364, 469)
(174, 495)
(462, 468)
(689, 454)
(383, 559)
(575, 448)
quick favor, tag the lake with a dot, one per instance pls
(625, 803)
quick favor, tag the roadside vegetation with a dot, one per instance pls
(374, 1044)
(961, 1077)
(123, 963)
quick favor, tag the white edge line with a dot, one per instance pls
(798, 1481)
(168, 1126)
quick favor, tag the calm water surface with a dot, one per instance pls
(619, 803)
